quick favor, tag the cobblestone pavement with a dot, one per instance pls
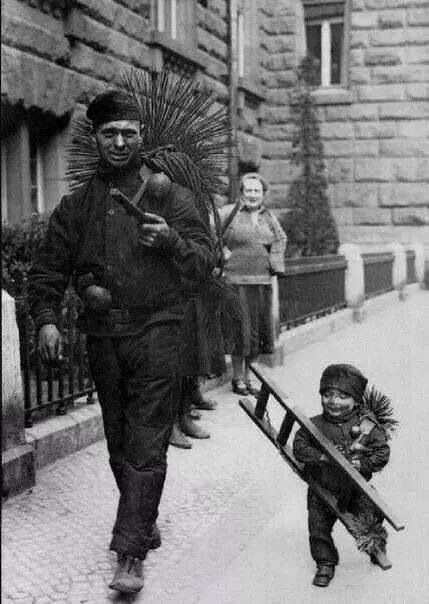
(233, 517)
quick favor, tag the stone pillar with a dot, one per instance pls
(354, 280)
(17, 457)
(420, 263)
(276, 358)
(399, 268)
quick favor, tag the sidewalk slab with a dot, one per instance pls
(233, 514)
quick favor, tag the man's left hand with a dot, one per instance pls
(154, 233)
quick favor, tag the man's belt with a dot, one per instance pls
(135, 313)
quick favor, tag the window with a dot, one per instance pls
(33, 166)
(165, 17)
(248, 42)
(174, 32)
(326, 39)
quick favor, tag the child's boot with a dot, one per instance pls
(378, 556)
(324, 575)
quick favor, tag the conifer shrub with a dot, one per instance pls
(309, 224)
(19, 244)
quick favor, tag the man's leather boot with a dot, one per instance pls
(197, 399)
(128, 577)
(178, 439)
(190, 428)
(324, 574)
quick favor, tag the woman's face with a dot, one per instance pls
(253, 193)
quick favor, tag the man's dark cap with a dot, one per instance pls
(346, 378)
(112, 105)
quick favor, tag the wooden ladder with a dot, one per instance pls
(258, 415)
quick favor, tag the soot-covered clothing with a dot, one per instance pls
(339, 433)
(134, 348)
(321, 519)
(91, 233)
(138, 387)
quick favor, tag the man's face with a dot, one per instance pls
(119, 142)
(337, 403)
(253, 193)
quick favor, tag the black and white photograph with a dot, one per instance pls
(215, 301)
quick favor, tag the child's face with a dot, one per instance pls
(337, 403)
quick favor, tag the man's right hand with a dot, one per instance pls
(50, 345)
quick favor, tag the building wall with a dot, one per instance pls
(375, 132)
(57, 55)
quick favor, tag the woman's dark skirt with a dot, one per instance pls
(254, 335)
(202, 344)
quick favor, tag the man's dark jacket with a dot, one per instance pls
(90, 233)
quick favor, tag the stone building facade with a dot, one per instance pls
(372, 101)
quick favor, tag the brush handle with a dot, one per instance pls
(130, 208)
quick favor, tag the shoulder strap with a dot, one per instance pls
(231, 217)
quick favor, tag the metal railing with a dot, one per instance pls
(377, 273)
(311, 288)
(48, 389)
(411, 266)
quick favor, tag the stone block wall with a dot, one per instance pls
(389, 120)
(58, 55)
(375, 133)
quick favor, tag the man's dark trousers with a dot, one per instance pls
(138, 388)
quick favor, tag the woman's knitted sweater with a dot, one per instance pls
(257, 250)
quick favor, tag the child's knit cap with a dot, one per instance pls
(346, 378)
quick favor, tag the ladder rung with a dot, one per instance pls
(285, 428)
(262, 401)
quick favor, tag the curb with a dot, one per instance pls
(59, 436)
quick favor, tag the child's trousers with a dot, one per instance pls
(365, 525)
(320, 524)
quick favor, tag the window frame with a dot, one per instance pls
(174, 33)
(39, 185)
(345, 20)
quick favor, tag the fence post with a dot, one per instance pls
(354, 279)
(276, 358)
(399, 268)
(419, 263)
(18, 465)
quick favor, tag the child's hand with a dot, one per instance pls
(356, 464)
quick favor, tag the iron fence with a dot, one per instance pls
(312, 287)
(378, 273)
(49, 389)
(411, 266)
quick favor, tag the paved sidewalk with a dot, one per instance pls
(233, 517)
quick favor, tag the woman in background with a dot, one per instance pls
(255, 246)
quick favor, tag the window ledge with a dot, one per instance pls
(251, 89)
(332, 96)
(163, 41)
